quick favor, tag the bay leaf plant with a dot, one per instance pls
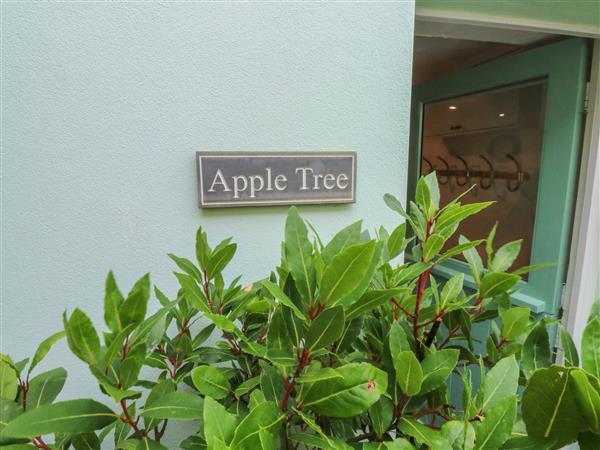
(342, 346)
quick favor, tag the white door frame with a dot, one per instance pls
(583, 277)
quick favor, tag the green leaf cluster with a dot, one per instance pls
(344, 345)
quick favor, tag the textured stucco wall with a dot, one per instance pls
(104, 105)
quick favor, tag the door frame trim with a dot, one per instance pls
(583, 276)
(504, 22)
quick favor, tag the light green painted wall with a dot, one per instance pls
(574, 12)
(105, 103)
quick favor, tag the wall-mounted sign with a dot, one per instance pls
(252, 179)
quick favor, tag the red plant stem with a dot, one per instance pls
(313, 314)
(438, 410)
(402, 308)
(289, 385)
(158, 434)
(129, 420)
(501, 343)
(437, 317)
(39, 443)
(25, 388)
(420, 291)
(432, 332)
(451, 334)
(206, 287)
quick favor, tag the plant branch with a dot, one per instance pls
(129, 420)
(289, 385)
(402, 308)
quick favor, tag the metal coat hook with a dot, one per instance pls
(431, 168)
(491, 176)
(510, 187)
(467, 174)
(447, 171)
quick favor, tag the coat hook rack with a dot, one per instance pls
(445, 172)
(514, 179)
(431, 168)
(466, 170)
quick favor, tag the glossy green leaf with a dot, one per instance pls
(381, 415)
(112, 302)
(398, 339)
(187, 266)
(514, 322)
(279, 350)
(283, 298)
(44, 348)
(345, 272)
(394, 204)
(457, 250)
(175, 405)
(398, 444)
(409, 373)
(529, 443)
(432, 246)
(311, 422)
(203, 250)
(8, 381)
(434, 192)
(453, 215)
(497, 425)
(325, 329)
(473, 259)
(193, 293)
(396, 243)
(422, 434)
(505, 256)
(500, 382)
(210, 381)
(360, 386)
(265, 416)
(437, 367)
(247, 386)
(82, 336)
(460, 435)
(72, 416)
(495, 283)
(373, 299)
(590, 347)
(219, 425)
(346, 237)
(365, 281)
(588, 440)
(536, 351)
(452, 289)
(219, 260)
(320, 374)
(570, 355)
(549, 406)
(271, 383)
(133, 309)
(132, 365)
(86, 441)
(45, 387)
(586, 396)
(298, 252)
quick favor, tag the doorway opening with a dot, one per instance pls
(487, 113)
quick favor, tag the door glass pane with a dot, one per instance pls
(492, 140)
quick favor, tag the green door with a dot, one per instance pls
(512, 127)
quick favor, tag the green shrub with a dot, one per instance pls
(340, 347)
